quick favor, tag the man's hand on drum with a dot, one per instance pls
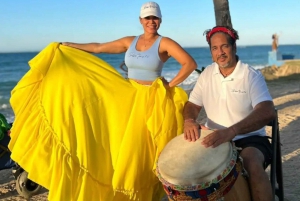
(191, 130)
(218, 137)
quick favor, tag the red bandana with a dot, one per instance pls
(220, 29)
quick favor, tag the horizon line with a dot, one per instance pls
(36, 51)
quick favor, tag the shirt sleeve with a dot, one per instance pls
(196, 94)
(259, 91)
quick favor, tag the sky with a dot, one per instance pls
(30, 25)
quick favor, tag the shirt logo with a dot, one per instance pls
(138, 55)
(238, 91)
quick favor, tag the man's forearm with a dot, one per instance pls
(262, 114)
(191, 111)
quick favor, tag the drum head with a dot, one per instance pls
(189, 163)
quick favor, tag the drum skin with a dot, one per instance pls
(201, 164)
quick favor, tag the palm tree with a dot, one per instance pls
(222, 13)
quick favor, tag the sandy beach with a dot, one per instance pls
(284, 86)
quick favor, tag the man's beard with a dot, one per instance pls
(224, 65)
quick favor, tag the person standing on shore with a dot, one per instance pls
(238, 106)
(91, 134)
(274, 42)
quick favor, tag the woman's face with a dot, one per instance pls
(150, 23)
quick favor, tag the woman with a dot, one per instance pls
(94, 134)
(138, 48)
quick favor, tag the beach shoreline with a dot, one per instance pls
(284, 86)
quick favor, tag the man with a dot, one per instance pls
(238, 106)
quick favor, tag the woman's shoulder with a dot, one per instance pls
(168, 41)
(127, 40)
(164, 38)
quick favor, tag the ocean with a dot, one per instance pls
(14, 65)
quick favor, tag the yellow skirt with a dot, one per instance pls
(85, 133)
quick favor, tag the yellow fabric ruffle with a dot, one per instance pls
(85, 133)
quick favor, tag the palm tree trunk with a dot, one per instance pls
(222, 13)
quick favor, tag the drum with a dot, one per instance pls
(190, 171)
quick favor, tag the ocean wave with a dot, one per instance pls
(257, 67)
(4, 106)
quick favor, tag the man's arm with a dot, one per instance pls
(261, 115)
(191, 127)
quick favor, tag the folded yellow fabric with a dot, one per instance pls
(85, 133)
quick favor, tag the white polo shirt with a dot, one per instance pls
(229, 100)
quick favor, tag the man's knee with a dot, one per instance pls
(261, 143)
(253, 159)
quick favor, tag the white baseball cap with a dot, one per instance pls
(150, 8)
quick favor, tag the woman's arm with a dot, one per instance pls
(113, 47)
(188, 64)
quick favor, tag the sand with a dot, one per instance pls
(284, 86)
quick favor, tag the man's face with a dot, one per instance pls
(223, 53)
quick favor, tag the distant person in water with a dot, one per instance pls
(275, 42)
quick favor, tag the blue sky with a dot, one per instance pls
(28, 25)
